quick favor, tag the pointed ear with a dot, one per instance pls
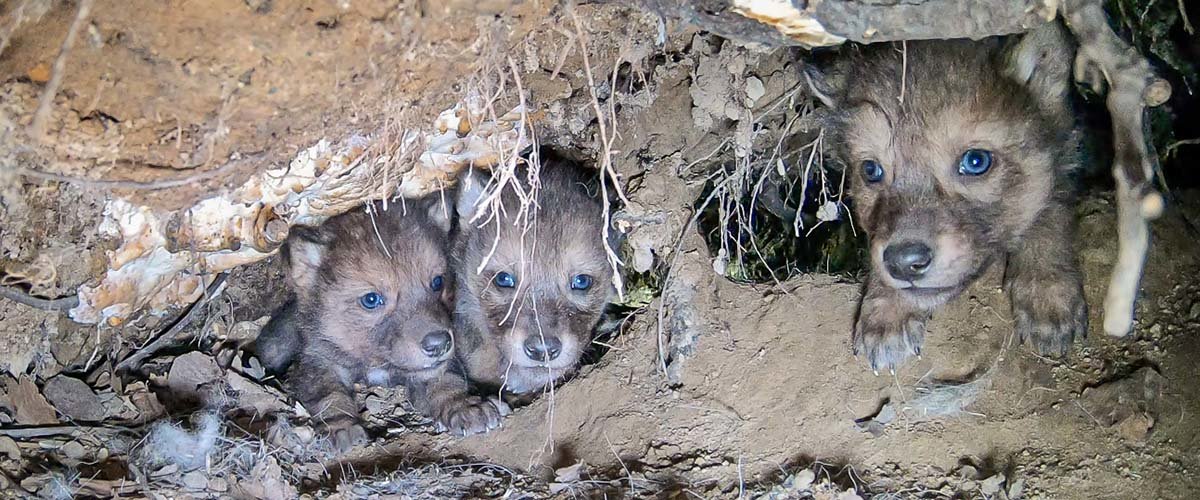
(821, 84)
(1041, 61)
(439, 210)
(304, 252)
(471, 184)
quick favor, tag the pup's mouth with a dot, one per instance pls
(559, 364)
(426, 368)
(929, 291)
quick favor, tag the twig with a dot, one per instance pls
(37, 129)
(606, 141)
(127, 184)
(21, 297)
(1132, 86)
(167, 337)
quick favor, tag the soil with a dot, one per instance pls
(711, 388)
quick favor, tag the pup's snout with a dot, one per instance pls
(437, 343)
(542, 348)
(908, 260)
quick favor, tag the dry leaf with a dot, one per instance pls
(32, 408)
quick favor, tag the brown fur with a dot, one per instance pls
(331, 341)
(560, 238)
(916, 110)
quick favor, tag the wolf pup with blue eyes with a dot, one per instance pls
(533, 277)
(371, 305)
(960, 155)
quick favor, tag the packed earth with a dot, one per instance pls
(723, 370)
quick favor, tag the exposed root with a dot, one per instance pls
(168, 337)
(1104, 58)
(20, 297)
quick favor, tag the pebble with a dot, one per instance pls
(803, 479)
(304, 433)
(991, 485)
(195, 481)
(74, 450)
(217, 484)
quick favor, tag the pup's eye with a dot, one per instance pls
(975, 162)
(505, 280)
(872, 171)
(437, 283)
(371, 301)
(581, 282)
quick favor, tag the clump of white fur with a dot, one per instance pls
(169, 444)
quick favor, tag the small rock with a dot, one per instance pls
(969, 486)
(849, 494)
(74, 450)
(1135, 427)
(968, 472)
(9, 447)
(304, 433)
(218, 485)
(74, 398)
(39, 73)
(1017, 489)
(804, 479)
(195, 481)
(754, 90)
(991, 485)
(1194, 312)
(31, 406)
(191, 371)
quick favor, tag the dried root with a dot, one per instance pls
(1104, 58)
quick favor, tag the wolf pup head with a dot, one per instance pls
(953, 150)
(374, 287)
(533, 274)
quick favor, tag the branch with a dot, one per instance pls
(1132, 86)
(169, 337)
(20, 297)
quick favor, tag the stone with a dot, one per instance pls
(31, 406)
(74, 398)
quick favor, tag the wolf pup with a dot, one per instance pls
(533, 277)
(959, 154)
(371, 305)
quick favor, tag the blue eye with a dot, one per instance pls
(371, 301)
(437, 283)
(505, 280)
(975, 162)
(872, 171)
(581, 282)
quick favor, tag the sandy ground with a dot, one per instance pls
(761, 395)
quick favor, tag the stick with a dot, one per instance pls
(37, 128)
(20, 297)
(166, 338)
(1104, 58)
(154, 185)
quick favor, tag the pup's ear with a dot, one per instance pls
(439, 211)
(304, 252)
(472, 184)
(822, 84)
(1041, 60)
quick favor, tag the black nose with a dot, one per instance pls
(437, 343)
(542, 349)
(907, 261)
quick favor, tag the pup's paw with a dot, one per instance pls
(346, 434)
(888, 333)
(1049, 314)
(473, 415)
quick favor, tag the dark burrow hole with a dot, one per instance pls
(771, 226)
